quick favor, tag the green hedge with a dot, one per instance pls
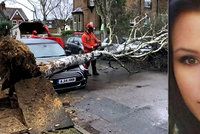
(5, 27)
(67, 33)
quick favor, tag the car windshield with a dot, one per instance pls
(46, 50)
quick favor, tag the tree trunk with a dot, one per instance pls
(154, 8)
(42, 109)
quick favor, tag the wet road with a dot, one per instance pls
(118, 103)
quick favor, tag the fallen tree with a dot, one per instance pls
(21, 61)
(131, 49)
(36, 96)
(42, 110)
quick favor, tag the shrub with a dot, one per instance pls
(5, 28)
(67, 33)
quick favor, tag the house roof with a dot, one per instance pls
(2, 16)
(11, 11)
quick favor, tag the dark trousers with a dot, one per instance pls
(93, 64)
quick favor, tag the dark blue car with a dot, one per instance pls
(74, 44)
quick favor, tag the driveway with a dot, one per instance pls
(116, 102)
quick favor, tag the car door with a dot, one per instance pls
(79, 46)
(71, 45)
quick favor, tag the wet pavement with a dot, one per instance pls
(116, 102)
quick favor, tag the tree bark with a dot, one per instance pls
(42, 109)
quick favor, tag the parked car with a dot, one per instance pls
(48, 50)
(25, 29)
(74, 44)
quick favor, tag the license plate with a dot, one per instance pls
(68, 80)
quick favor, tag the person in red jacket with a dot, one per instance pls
(90, 43)
(34, 34)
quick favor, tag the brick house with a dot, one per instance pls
(15, 15)
(84, 12)
(55, 25)
(151, 7)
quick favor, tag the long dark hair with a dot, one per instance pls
(179, 114)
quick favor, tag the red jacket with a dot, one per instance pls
(90, 42)
(34, 36)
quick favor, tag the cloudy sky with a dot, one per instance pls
(29, 14)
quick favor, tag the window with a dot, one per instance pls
(75, 23)
(14, 22)
(78, 22)
(147, 3)
(19, 21)
(80, 27)
(91, 3)
(70, 40)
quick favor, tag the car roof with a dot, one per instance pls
(37, 41)
(75, 37)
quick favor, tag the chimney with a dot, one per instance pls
(2, 6)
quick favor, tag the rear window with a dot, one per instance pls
(46, 50)
(70, 40)
(77, 39)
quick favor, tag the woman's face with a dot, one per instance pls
(186, 52)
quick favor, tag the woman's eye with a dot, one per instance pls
(189, 60)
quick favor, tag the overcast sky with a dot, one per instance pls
(28, 13)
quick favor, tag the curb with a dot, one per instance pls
(82, 130)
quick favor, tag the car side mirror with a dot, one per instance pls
(68, 52)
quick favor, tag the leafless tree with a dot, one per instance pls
(103, 8)
(35, 16)
(63, 10)
(47, 6)
(43, 8)
(32, 3)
